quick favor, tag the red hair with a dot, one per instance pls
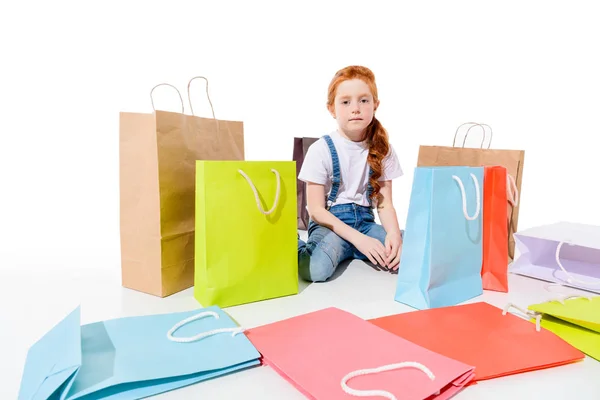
(375, 135)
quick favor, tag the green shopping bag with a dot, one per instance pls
(577, 321)
(246, 247)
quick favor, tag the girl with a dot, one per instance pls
(348, 173)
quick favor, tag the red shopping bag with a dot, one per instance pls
(479, 334)
(499, 196)
(331, 354)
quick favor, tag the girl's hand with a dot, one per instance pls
(393, 250)
(372, 249)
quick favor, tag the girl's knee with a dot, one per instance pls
(319, 258)
(315, 268)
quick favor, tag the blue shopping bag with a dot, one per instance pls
(442, 251)
(134, 357)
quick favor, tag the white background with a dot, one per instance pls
(529, 69)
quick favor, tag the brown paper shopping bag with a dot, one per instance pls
(301, 145)
(157, 165)
(512, 160)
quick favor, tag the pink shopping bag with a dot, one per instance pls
(332, 354)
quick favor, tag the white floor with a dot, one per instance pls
(33, 300)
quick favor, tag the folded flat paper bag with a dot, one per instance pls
(576, 320)
(316, 352)
(134, 357)
(478, 334)
(581, 311)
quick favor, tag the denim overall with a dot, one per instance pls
(324, 251)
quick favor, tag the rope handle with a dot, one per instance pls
(202, 335)
(474, 124)
(529, 313)
(189, 97)
(166, 84)
(207, 95)
(571, 278)
(382, 393)
(464, 197)
(253, 187)
(512, 192)
(564, 296)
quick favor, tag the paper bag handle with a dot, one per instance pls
(166, 84)
(207, 96)
(529, 313)
(202, 335)
(564, 296)
(275, 202)
(571, 278)
(474, 124)
(464, 197)
(512, 192)
(382, 393)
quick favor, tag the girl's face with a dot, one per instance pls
(353, 108)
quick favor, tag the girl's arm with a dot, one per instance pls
(386, 210)
(389, 221)
(315, 199)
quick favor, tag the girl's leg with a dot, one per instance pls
(321, 254)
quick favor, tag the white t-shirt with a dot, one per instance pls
(354, 169)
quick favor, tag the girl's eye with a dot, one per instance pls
(365, 100)
(345, 102)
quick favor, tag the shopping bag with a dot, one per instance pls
(576, 320)
(567, 253)
(499, 195)
(512, 160)
(479, 334)
(134, 357)
(157, 161)
(301, 145)
(441, 258)
(331, 354)
(246, 236)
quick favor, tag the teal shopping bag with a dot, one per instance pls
(134, 357)
(442, 251)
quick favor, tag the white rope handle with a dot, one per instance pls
(512, 192)
(207, 96)
(464, 197)
(202, 335)
(572, 297)
(564, 296)
(277, 190)
(474, 124)
(166, 84)
(529, 313)
(382, 393)
(571, 278)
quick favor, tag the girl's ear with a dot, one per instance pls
(331, 110)
(376, 106)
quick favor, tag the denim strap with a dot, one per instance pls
(337, 176)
